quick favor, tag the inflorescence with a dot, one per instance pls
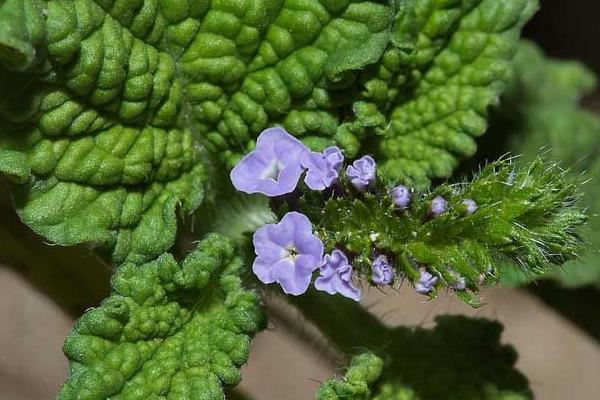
(351, 225)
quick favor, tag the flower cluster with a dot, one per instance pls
(289, 253)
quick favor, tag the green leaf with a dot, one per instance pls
(21, 32)
(98, 138)
(14, 166)
(114, 105)
(168, 330)
(111, 109)
(458, 59)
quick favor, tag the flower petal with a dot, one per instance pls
(309, 244)
(273, 168)
(263, 270)
(265, 247)
(320, 173)
(336, 275)
(293, 280)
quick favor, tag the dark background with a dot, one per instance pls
(568, 29)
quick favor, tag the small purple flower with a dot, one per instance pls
(362, 173)
(426, 282)
(334, 157)
(455, 281)
(401, 197)
(336, 276)
(287, 253)
(459, 284)
(322, 168)
(470, 206)
(274, 167)
(383, 273)
(438, 206)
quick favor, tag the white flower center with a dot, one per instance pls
(272, 171)
(290, 252)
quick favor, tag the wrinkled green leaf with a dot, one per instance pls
(458, 62)
(168, 330)
(94, 127)
(21, 32)
(114, 108)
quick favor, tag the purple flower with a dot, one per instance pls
(459, 284)
(438, 206)
(426, 282)
(362, 173)
(322, 168)
(455, 281)
(401, 197)
(470, 206)
(274, 167)
(334, 157)
(287, 253)
(383, 273)
(336, 275)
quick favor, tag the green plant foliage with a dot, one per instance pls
(167, 330)
(109, 103)
(118, 118)
(21, 32)
(92, 126)
(364, 370)
(541, 113)
(457, 57)
(460, 358)
(526, 215)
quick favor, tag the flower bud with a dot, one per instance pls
(438, 206)
(470, 206)
(401, 197)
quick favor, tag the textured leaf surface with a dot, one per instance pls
(541, 113)
(114, 97)
(458, 63)
(92, 123)
(109, 101)
(167, 331)
(21, 31)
